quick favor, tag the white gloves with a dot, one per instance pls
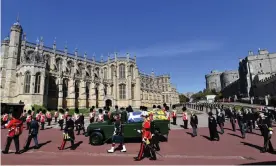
(270, 132)
(152, 135)
(144, 140)
(114, 133)
(139, 131)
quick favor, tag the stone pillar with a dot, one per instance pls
(82, 94)
(60, 92)
(115, 87)
(137, 90)
(101, 95)
(128, 87)
(71, 94)
(266, 100)
(92, 95)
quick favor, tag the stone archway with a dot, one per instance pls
(108, 103)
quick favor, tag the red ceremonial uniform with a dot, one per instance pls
(100, 118)
(185, 116)
(15, 127)
(146, 134)
(42, 118)
(56, 114)
(37, 117)
(49, 115)
(29, 118)
(5, 117)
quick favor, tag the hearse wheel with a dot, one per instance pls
(96, 138)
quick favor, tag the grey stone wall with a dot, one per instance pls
(213, 81)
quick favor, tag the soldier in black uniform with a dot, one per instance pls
(267, 133)
(80, 124)
(61, 118)
(212, 124)
(241, 122)
(194, 123)
(155, 135)
(232, 117)
(220, 120)
(68, 134)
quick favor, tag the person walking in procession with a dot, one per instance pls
(15, 126)
(33, 132)
(49, 117)
(68, 134)
(146, 137)
(118, 136)
(185, 117)
(212, 125)
(194, 123)
(174, 116)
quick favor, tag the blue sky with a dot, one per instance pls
(185, 38)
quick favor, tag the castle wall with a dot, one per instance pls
(228, 77)
(213, 81)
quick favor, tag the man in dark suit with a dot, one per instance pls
(33, 132)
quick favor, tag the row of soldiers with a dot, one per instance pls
(247, 120)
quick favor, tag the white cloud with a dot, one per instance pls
(173, 49)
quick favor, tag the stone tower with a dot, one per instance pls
(11, 60)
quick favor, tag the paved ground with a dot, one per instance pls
(180, 149)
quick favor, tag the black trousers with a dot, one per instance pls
(213, 134)
(55, 119)
(92, 120)
(267, 144)
(233, 123)
(28, 142)
(146, 150)
(28, 125)
(79, 128)
(42, 125)
(221, 125)
(60, 122)
(185, 124)
(249, 126)
(16, 143)
(174, 120)
(155, 142)
(49, 121)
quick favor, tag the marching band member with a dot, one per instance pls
(81, 124)
(118, 135)
(66, 113)
(49, 117)
(76, 118)
(56, 116)
(42, 119)
(38, 115)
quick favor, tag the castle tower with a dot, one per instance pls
(12, 60)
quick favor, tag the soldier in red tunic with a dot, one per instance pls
(49, 117)
(15, 127)
(29, 119)
(56, 116)
(146, 137)
(42, 119)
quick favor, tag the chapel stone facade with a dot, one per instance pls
(37, 74)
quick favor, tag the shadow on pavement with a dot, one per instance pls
(191, 134)
(252, 145)
(75, 146)
(235, 135)
(33, 147)
(206, 137)
(262, 163)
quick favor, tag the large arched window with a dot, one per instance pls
(122, 73)
(27, 82)
(77, 89)
(122, 91)
(59, 64)
(131, 71)
(112, 71)
(37, 82)
(87, 87)
(132, 91)
(97, 72)
(65, 88)
(105, 73)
